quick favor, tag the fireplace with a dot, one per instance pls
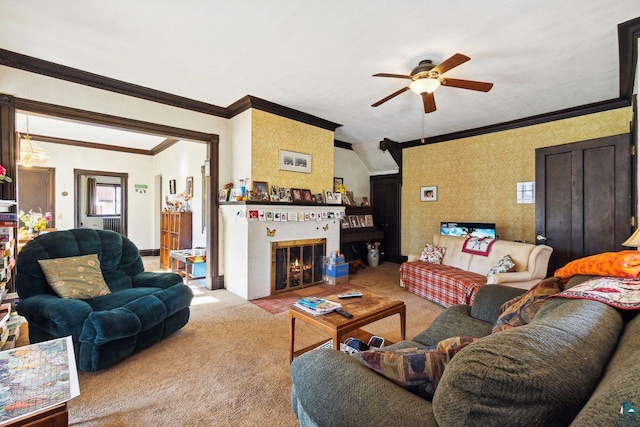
(248, 254)
(296, 264)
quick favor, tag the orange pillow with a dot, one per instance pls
(613, 264)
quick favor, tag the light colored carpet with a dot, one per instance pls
(227, 367)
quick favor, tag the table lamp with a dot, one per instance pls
(634, 240)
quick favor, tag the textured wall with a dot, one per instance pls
(271, 133)
(476, 177)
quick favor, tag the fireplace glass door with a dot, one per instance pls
(296, 264)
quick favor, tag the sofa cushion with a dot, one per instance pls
(77, 277)
(504, 265)
(618, 388)
(521, 310)
(540, 374)
(418, 369)
(432, 254)
(615, 264)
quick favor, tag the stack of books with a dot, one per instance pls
(316, 306)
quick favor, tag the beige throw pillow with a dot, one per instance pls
(77, 277)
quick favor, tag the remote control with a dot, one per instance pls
(343, 313)
(350, 295)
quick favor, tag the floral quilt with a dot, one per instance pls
(623, 293)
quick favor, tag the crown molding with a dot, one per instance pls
(628, 35)
(582, 110)
(342, 144)
(62, 72)
(249, 101)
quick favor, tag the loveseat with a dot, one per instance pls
(576, 363)
(460, 274)
(137, 310)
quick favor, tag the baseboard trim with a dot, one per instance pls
(149, 252)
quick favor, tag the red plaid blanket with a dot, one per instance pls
(441, 284)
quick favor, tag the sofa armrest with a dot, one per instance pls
(413, 257)
(332, 388)
(486, 305)
(516, 276)
(155, 280)
(58, 316)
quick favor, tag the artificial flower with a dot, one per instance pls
(37, 221)
(3, 175)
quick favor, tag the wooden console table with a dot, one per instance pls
(366, 309)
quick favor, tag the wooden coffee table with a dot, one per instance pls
(366, 309)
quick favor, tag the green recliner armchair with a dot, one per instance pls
(141, 309)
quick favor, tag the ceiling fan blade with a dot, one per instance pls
(429, 102)
(467, 84)
(454, 61)
(397, 76)
(386, 98)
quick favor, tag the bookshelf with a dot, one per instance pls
(175, 233)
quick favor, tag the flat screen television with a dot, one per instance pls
(475, 229)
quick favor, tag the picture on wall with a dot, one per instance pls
(295, 162)
(189, 186)
(428, 194)
(172, 186)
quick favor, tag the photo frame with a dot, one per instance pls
(365, 201)
(172, 186)
(306, 195)
(294, 162)
(336, 181)
(261, 190)
(296, 195)
(189, 186)
(428, 194)
(337, 198)
(328, 196)
(223, 196)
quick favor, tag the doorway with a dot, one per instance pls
(583, 198)
(37, 190)
(385, 199)
(101, 200)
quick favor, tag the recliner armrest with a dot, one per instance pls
(65, 315)
(155, 280)
(486, 305)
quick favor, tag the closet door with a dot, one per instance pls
(583, 198)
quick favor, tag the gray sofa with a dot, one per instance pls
(577, 363)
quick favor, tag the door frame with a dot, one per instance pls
(9, 105)
(51, 188)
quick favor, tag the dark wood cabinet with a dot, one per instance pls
(353, 240)
(385, 199)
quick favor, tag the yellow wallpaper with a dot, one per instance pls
(271, 132)
(476, 177)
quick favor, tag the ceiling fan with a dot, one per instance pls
(426, 78)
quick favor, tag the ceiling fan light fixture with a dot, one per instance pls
(424, 85)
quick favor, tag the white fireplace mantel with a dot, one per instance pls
(247, 241)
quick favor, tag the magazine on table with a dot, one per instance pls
(317, 306)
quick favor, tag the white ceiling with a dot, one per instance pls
(318, 57)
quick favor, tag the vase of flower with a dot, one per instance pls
(373, 254)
